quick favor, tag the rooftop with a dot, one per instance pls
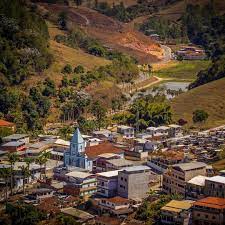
(190, 166)
(13, 144)
(218, 179)
(177, 206)
(96, 150)
(136, 168)
(198, 180)
(211, 202)
(77, 213)
(109, 173)
(16, 136)
(124, 127)
(4, 123)
(108, 155)
(79, 174)
(118, 200)
(120, 162)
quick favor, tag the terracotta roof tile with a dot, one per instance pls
(4, 123)
(118, 199)
(211, 202)
(96, 150)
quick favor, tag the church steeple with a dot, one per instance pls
(77, 143)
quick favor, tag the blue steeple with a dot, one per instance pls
(77, 137)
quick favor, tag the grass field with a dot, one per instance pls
(185, 70)
(209, 97)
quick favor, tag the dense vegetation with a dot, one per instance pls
(166, 29)
(149, 110)
(124, 14)
(206, 28)
(23, 42)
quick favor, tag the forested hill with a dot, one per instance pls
(23, 42)
(205, 27)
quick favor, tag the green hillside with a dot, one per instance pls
(209, 97)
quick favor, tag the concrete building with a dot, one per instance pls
(107, 183)
(195, 187)
(175, 179)
(17, 137)
(134, 182)
(176, 212)
(126, 131)
(209, 211)
(9, 125)
(215, 186)
(14, 146)
(117, 164)
(114, 206)
(80, 184)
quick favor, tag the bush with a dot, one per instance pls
(67, 69)
(199, 116)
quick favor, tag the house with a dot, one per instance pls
(40, 194)
(210, 210)
(215, 186)
(81, 184)
(80, 156)
(161, 130)
(80, 216)
(14, 146)
(9, 125)
(135, 155)
(17, 137)
(99, 164)
(126, 131)
(117, 164)
(195, 187)
(134, 182)
(175, 179)
(107, 183)
(160, 162)
(104, 135)
(176, 212)
(175, 130)
(114, 206)
(36, 148)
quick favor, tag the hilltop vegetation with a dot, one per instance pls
(23, 43)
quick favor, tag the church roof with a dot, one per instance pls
(106, 147)
(77, 137)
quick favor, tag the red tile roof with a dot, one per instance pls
(211, 202)
(96, 150)
(4, 123)
(117, 200)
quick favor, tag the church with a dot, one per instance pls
(76, 156)
(81, 156)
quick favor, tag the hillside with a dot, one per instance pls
(112, 33)
(209, 97)
(176, 10)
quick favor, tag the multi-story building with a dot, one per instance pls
(14, 146)
(209, 211)
(176, 212)
(175, 179)
(215, 186)
(80, 184)
(126, 131)
(17, 137)
(115, 206)
(134, 182)
(107, 183)
(195, 187)
(117, 164)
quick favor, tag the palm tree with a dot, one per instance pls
(28, 161)
(46, 155)
(25, 172)
(5, 174)
(41, 162)
(12, 158)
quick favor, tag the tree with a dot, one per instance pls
(25, 173)
(99, 112)
(12, 158)
(41, 161)
(62, 20)
(67, 69)
(78, 2)
(45, 155)
(5, 174)
(199, 116)
(79, 69)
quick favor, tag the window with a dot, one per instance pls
(121, 178)
(125, 179)
(206, 216)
